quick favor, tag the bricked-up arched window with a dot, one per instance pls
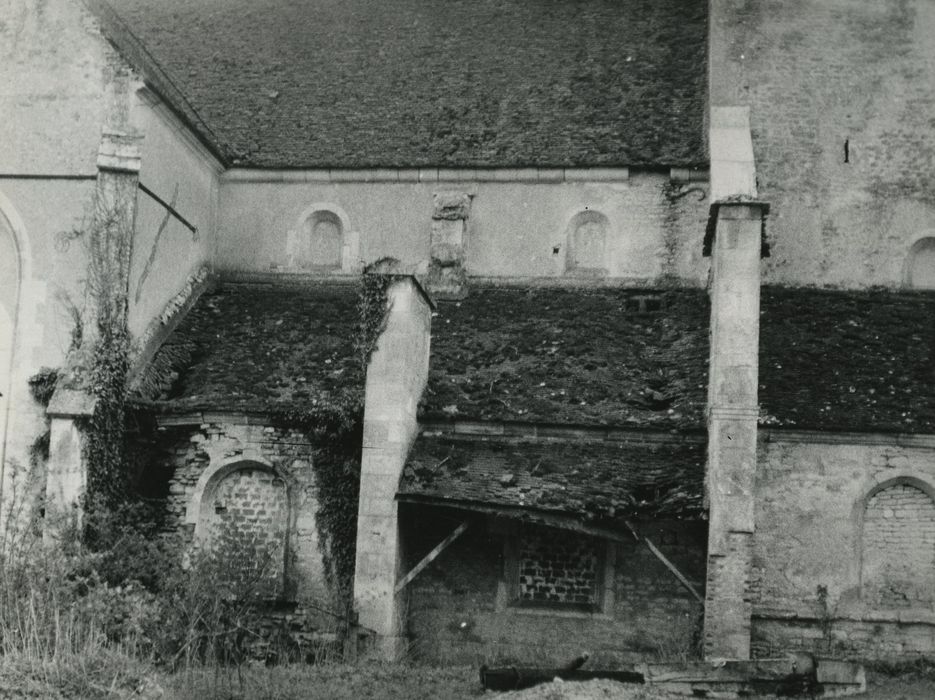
(246, 519)
(9, 295)
(587, 243)
(325, 240)
(921, 265)
(898, 557)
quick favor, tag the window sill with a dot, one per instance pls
(556, 612)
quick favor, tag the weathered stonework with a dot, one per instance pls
(396, 376)
(255, 478)
(447, 278)
(460, 610)
(824, 552)
(732, 385)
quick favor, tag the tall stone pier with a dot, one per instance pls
(396, 377)
(734, 241)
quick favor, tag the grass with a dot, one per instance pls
(331, 681)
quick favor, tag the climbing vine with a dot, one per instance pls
(100, 366)
(334, 426)
(372, 307)
(42, 386)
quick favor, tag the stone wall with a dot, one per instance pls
(646, 228)
(840, 110)
(256, 479)
(558, 568)
(461, 609)
(844, 552)
(60, 82)
(166, 254)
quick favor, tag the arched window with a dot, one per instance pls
(325, 240)
(11, 273)
(244, 518)
(587, 241)
(898, 543)
(921, 265)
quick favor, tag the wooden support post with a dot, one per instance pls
(432, 556)
(668, 564)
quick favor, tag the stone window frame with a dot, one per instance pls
(881, 484)
(926, 240)
(508, 588)
(350, 239)
(23, 322)
(581, 216)
(206, 489)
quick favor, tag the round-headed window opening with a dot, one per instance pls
(244, 520)
(898, 546)
(325, 240)
(587, 243)
(921, 264)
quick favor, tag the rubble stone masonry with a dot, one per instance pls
(245, 473)
(844, 551)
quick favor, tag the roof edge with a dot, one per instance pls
(157, 80)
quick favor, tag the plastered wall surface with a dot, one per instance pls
(817, 74)
(58, 83)
(654, 229)
(165, 252)
(820, 509)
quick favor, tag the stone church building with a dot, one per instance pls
(657, 372)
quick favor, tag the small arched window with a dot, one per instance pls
(921, 265)
(587, 242)
(324, 236)
(898, 548)
(245, 521)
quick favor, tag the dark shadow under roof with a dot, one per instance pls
(632, 358)
(260, 348)
(591, 481)
(364, 83)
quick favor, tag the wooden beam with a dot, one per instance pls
(432, 556)
(668, 564)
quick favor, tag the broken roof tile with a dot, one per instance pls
(592, 481)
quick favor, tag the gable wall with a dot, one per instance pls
(817, 73)
(166, 254)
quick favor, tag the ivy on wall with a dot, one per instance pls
(42, 386)
(335, 428)
(101, 363)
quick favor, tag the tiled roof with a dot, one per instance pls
(571, 356)
(594, 481)
(261, 348)
(847, 360)
(829, 360)
(362, 83)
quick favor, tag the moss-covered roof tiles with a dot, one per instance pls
(261, 348)
(576, 356)
(456, 83)
(847, 360)
(829, 360)
(595, 481)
